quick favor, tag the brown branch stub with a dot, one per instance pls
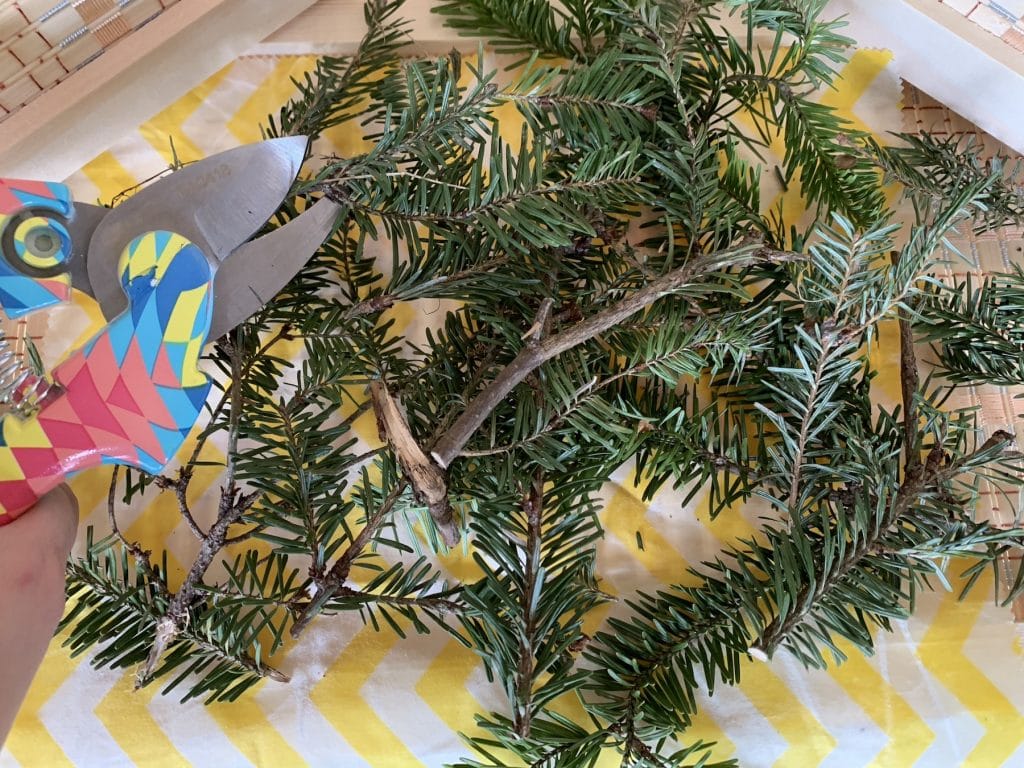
(180, 487)
(429, 485)
(133, 547)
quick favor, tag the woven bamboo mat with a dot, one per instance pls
(1003, 18)
(980, 256)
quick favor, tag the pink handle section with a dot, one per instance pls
(39, 453)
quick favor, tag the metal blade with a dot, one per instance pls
(83, 224)
(254, 273)
(217, 203)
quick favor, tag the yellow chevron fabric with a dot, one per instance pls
(941, 691)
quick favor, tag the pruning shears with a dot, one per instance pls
(171, 268)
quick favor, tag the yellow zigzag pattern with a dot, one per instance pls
(355, 703)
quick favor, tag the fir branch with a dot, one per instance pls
(518, 26)
(714, 625)
(590, 390)
(910, 383)
(327, 586)
(916, 483)
(330, 94)
(232, 506)
(113, 593)
(533, 502)
(975, 329)
(451, 443)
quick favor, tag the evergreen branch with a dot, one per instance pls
(603, 102)
(590, 390)
(715, 624)
(561, 102)
(283, 333)
(456, 437)
(438, 605)
(827, 353)
(229, 511)
(933, 171)
(919, 478)
(490, 211)
(910, 383)
(975, 328)
(427, 118)
(328, 585)
(110, 593)
(511, 27)
(329, 95)
(810, 134)
(533, 502)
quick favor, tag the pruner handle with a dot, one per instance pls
(132, 394)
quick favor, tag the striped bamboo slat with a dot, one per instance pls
(1003, 18)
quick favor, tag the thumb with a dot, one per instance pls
(52, 524)
(33, 550)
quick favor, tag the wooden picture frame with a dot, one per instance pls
(76, 119)
(949, 57)
(71, 123)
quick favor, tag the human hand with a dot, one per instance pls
(33, 551)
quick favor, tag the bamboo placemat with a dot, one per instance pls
(979, 255)
(43, 41)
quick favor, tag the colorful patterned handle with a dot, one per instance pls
(33, 215)
(132, 394)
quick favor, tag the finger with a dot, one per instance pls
(45, 534)
(33, 550)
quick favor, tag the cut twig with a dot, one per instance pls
(428, 481)
(180, 488)
(233, 505)
(140, 554)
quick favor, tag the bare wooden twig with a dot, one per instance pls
(140, 554)
(180, 488)
(428, 482)
(533, 356)
(232, 506)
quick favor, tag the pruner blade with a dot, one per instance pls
(256, 271)
(217, 204)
